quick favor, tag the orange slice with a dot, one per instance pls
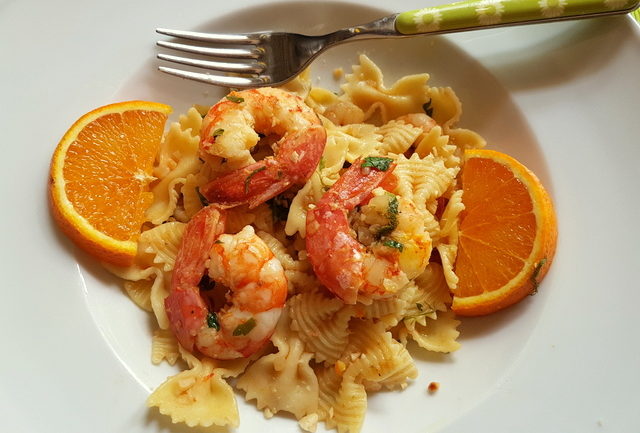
(100, 174)
(507, 236)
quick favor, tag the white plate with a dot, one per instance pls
(560, 97)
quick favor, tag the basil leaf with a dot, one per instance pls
(378, 162)
(244, 328)
(384, 231)
(393, 244)
(392, 216)
(235, 99)
(392, 210)
(218, 132)
(247, 181)
(423, 311)
(212, 321)
(203, 200)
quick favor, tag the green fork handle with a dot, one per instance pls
(474, 14)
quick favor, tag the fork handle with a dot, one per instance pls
(474, 14)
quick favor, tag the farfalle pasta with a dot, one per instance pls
(322, 323)
(326, 355)
(288, 369)
(201, 395)
(177, 159)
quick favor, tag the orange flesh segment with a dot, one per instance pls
(100, 175)
(507, 233)
(503, 215)
(118, 179)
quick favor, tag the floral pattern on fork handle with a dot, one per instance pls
(480, 13)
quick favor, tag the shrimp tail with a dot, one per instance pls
(356, 185)
(185, 308)
(246, 185)
(186, 311)
(299, 156)
(254, 184)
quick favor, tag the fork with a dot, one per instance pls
(273, 58)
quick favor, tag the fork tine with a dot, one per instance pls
(240, 53)
(241, 68)
(218, 80)
(219, 38)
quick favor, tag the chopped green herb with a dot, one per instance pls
(247, 181)
(206, 283)
(534, 275)
(378, 162)
(235, 99)
(203, 200)
(423, 311)
(384, 231)
(392, 216)
(218, 132)
(244, 328)
(393, 244)
(392, 211)
(321, 164)
(212, 321)
(428, 109)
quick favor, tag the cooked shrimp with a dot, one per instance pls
(398, 249)
(234, 125)
(242, 263)
(419, 120)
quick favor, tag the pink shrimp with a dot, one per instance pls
(234, 123)
(420, 120)
(337, 257)
(242, 263)
(398, 251)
